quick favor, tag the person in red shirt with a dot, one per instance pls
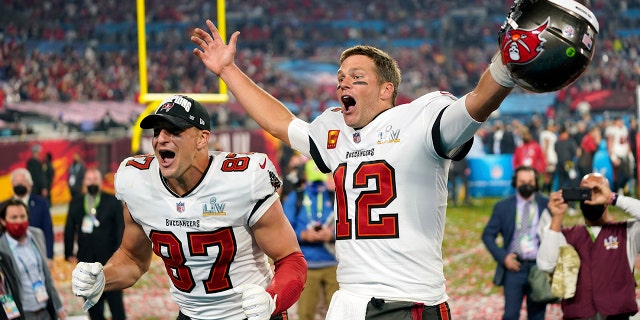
(588, 147)
(529, 153)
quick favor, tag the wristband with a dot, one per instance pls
(614, 198)
(500, 73)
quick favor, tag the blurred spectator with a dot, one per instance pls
(35, 165)
(10, 286)
(567, 150)
(515, 220)
(76, 175)
(633, 134)
(588, 147)
(478, 148)
(622, 159)
(311, 215)
(500, 140)
(607, 249)
(529, 153)
(294, 178)
(39, 212)
(459, 180)
(26, 247)
(548, 138)
(49, 173)
(95, 223)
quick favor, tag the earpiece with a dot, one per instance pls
(525, 168)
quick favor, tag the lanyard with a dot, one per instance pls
(307, 206)
(91, 209)
(26, 268)
(520, 213)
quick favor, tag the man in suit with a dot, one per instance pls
(25, 248)
(39, 212)
(516, 220)
(95, 220)
(34, 165)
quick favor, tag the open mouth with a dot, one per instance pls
(348, 102)
(166, 155)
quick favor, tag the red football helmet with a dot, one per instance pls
(547, 44)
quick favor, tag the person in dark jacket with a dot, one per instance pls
(34, 165)
(39, 211)
(516, 220)
(95, 221)
(24, 246)
(9, 288)
(48, 174)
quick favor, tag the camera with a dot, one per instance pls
(576, 194)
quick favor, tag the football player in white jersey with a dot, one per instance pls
(213, 217)
(390, 165)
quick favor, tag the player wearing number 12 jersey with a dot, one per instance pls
(390, 164)
(212, 217)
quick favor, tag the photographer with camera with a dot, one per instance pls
(607, 249)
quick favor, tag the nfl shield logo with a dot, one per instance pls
(180, 207)
(356, 137)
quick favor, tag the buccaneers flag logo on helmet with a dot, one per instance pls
(523, 46)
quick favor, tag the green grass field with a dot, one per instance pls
(469, 267)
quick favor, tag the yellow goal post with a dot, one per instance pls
(153, 99)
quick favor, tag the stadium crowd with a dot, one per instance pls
(86, 50)
(65, 50)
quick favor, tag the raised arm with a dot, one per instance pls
(553, 238)
(493, 87)
(219, 57)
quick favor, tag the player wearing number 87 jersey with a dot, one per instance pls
(212, 217)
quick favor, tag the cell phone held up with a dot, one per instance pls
(576, 194)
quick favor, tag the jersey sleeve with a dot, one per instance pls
(454, 130)
(299, 136)
(264, 187)
(120, 179)
(127, 179)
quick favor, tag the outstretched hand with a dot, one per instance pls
(214, 53)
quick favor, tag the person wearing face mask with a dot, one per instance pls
(529, 153)
(95, 221)
(39, 211)
(516, 219)
(37, 295)
(605, 288)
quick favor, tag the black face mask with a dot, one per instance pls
(93, 189)
(526, 190)
(20, 190)
(592, 213)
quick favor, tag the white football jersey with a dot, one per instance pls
(204, 237)
(391, 196)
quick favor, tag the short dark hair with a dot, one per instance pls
(514, 177)
(9, 203)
